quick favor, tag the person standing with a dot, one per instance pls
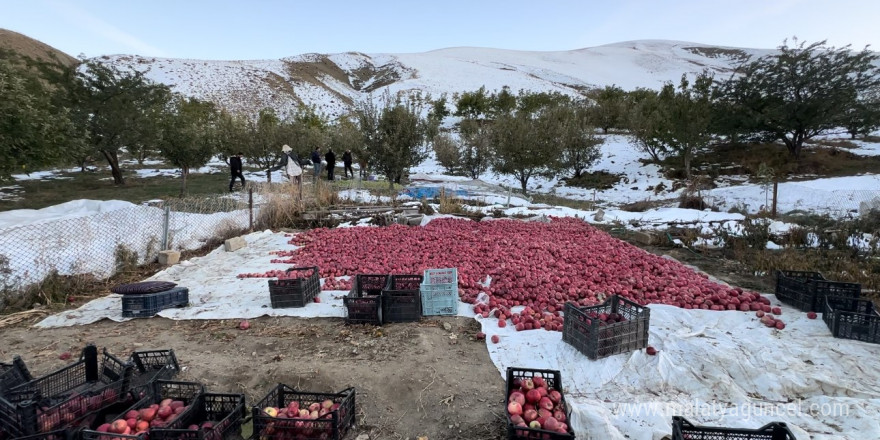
(316, 162)
(331, 163)
(290, 164)
(235, 170)
(346, 161)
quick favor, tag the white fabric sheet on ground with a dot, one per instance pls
(215, 292)
(713, 368)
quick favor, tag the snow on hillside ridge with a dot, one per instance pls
(333, 82)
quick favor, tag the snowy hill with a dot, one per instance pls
(332, 83)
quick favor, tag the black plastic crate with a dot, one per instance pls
(401, 307)
(10, 420)
(224, 411)
(368, 284)
(850, 318)
(806, 291)
(146, 305)
(554, 381)
(404, 284)
(63, 398)
(583, 328)
(150, 366)
(402, 299)
(334, 425)
(13, 374)
(363, 304)
(823, 288)
(684, 430)
(189, 393)
(61, 434)
(74, 430)
(793, 288)
(295, 292)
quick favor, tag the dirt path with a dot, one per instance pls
(428, 379)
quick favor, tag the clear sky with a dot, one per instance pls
(270, 29)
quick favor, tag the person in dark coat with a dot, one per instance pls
(235, 170)
(346, 160)
(316, 162)
(331, 163)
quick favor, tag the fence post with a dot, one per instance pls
(775, 190)
(251, 209)
(165, 222)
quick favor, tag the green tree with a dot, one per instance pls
(535, 102)
(394, 136)
(686, 119)
(116, 108)
(263, 142)
(519, 148)
(475, 152)
(801, 91)
(502, 102)
(863, 117)
(609, 109)
(469, 153)
(33, 132)
(188, 134)
(578, 143)
(305, 131)
(446, 151)
(645, 121)
(231, 134)
(473, 104)
(438, 107)
(345, 135)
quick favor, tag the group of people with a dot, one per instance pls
(292, 165)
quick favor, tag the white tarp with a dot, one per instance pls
(714, 368)
(215, 292)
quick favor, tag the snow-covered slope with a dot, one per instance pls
(331, 83)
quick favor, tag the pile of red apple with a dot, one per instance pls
(76, 406)
(296, 419)
(516, 263)
(135, 422)
(533, 404)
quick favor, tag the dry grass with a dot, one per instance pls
(280, 205)
(450, 204)
(25, 46)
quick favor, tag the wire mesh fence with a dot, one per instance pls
(97, 243)
(797, 197)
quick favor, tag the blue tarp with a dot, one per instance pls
(430, 192)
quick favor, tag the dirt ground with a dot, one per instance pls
(430, 379)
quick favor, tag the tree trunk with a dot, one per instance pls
(523, 180)
(113, 160)
(184, 171)
(687, 165)
(268, 176)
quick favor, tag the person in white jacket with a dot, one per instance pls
(290, 165)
